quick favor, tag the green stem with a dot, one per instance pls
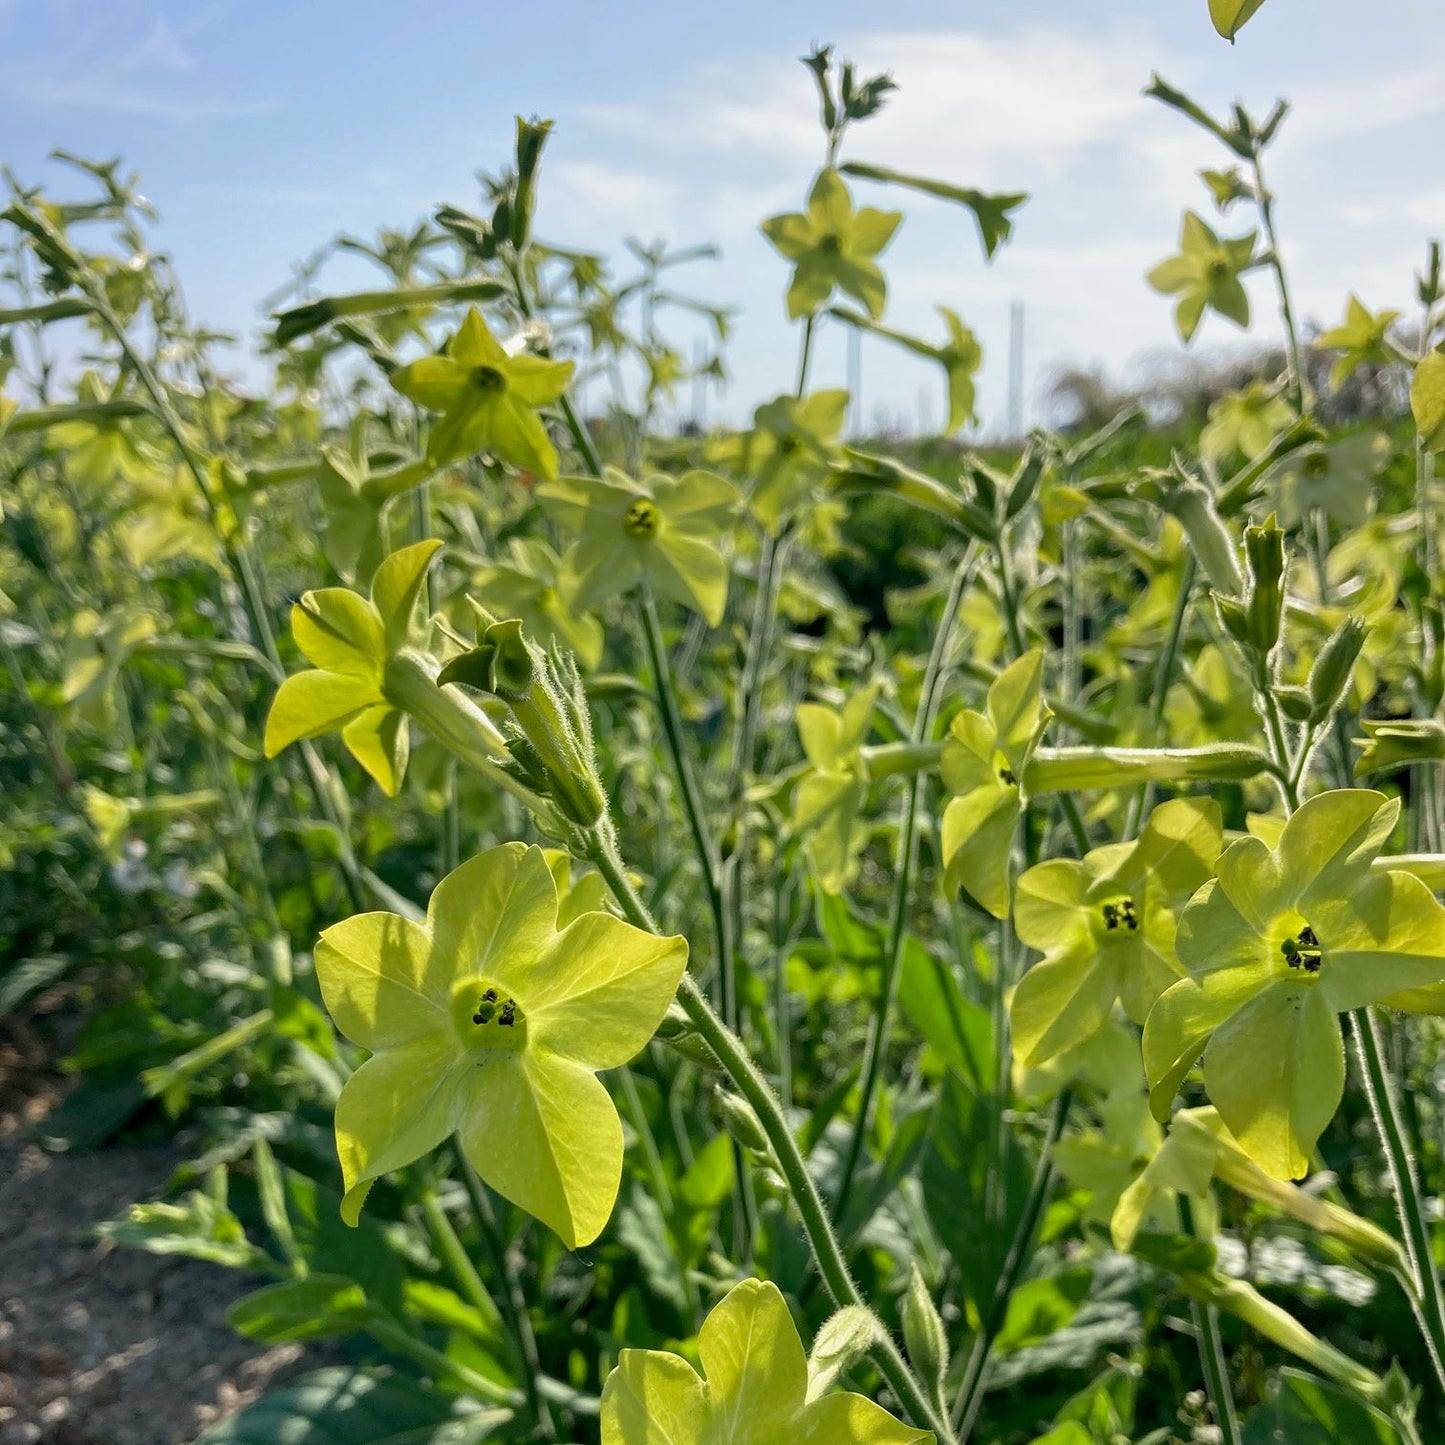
(876, 1048)
(1298, 382)
(1427, 1299)
(1216, 1371)
(970, 1394)
(514, 1299)
(458, 1262)
(691, 800)
(805, 355)
(1163, 679)
(746, 1077)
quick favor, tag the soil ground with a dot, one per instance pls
(101, 1346)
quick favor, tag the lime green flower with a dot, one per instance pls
(1205, 275)
(489, 398)
(348, 639)
(527, 586)
(829, 795)
(1105, 925)
(1105, 1161)
(984, 756)
(1278, 944)
(97, 647)
(102, 452)
(831, 245)
(488, 1022)
(664, 531)
(1393, 743)
(756, 1390)
(792, 447)
(1337, 477)
(1245, 421)
(1362, 339)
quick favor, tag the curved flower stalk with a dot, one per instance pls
(1277, 944)
(1105, 925)
(1205, 275)
(754, 1391)
(828, 796)
(664, 531)
(489, 1022)
(983, 762)
(833, 246)
(489, 398)
(348, 639)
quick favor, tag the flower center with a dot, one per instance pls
(829, 243)
(1302, 950)
(488, 379)
(641, 519)
(1317, 466)
(1120, 913)
(486, 1016)
(1218, 271)
(1006, 777)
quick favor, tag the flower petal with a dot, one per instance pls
(754, 1362)
(1328, 845)
(544, 1133)
(380, 740)
(849, 1419)
(598, 994)
(399, 1105)
(518, 437)
(1275, 1070)
(690, 570)
(474, 344)
(379, 982)
(652, 1398)
(1214, 935)
(537, 380)
(1388, 938)
(1060, 1001)
(495, 915)
(435, 382)
(308, 704)
(338, 630)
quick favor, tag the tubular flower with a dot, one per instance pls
(489, 1022)
(755, 1391)
(488, 397)
(832, 245)
(665, 531)
(1277, 944)
(348, 638)
(1105, 925)
(984, 756)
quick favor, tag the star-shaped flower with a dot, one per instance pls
(489, 1022)
(791, 449)
(829, 795)
(1205, 275)
(527, 586)
(1277, 944)
(489, 398)
(1245, 421)
(755, 1391)
(832, 245)
(1362, 339)
(1105, 925)
(1339, 478)
(665, 531)
(348, 639)
(984, 756)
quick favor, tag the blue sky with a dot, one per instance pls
(262, 129)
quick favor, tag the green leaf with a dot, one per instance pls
(360, 1407)
(1427, 400)
(1301, 1409)
(302, 1309)
(1229, 16)
(991, 211)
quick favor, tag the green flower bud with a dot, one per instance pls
(741, 1122)
(1264, 550)
(842, 1340)
(1335, 665)
(1192, 505)
(1295, 703)
(924, 1334)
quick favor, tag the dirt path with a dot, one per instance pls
(102, 1346)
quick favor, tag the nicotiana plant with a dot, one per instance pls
(717, 963)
